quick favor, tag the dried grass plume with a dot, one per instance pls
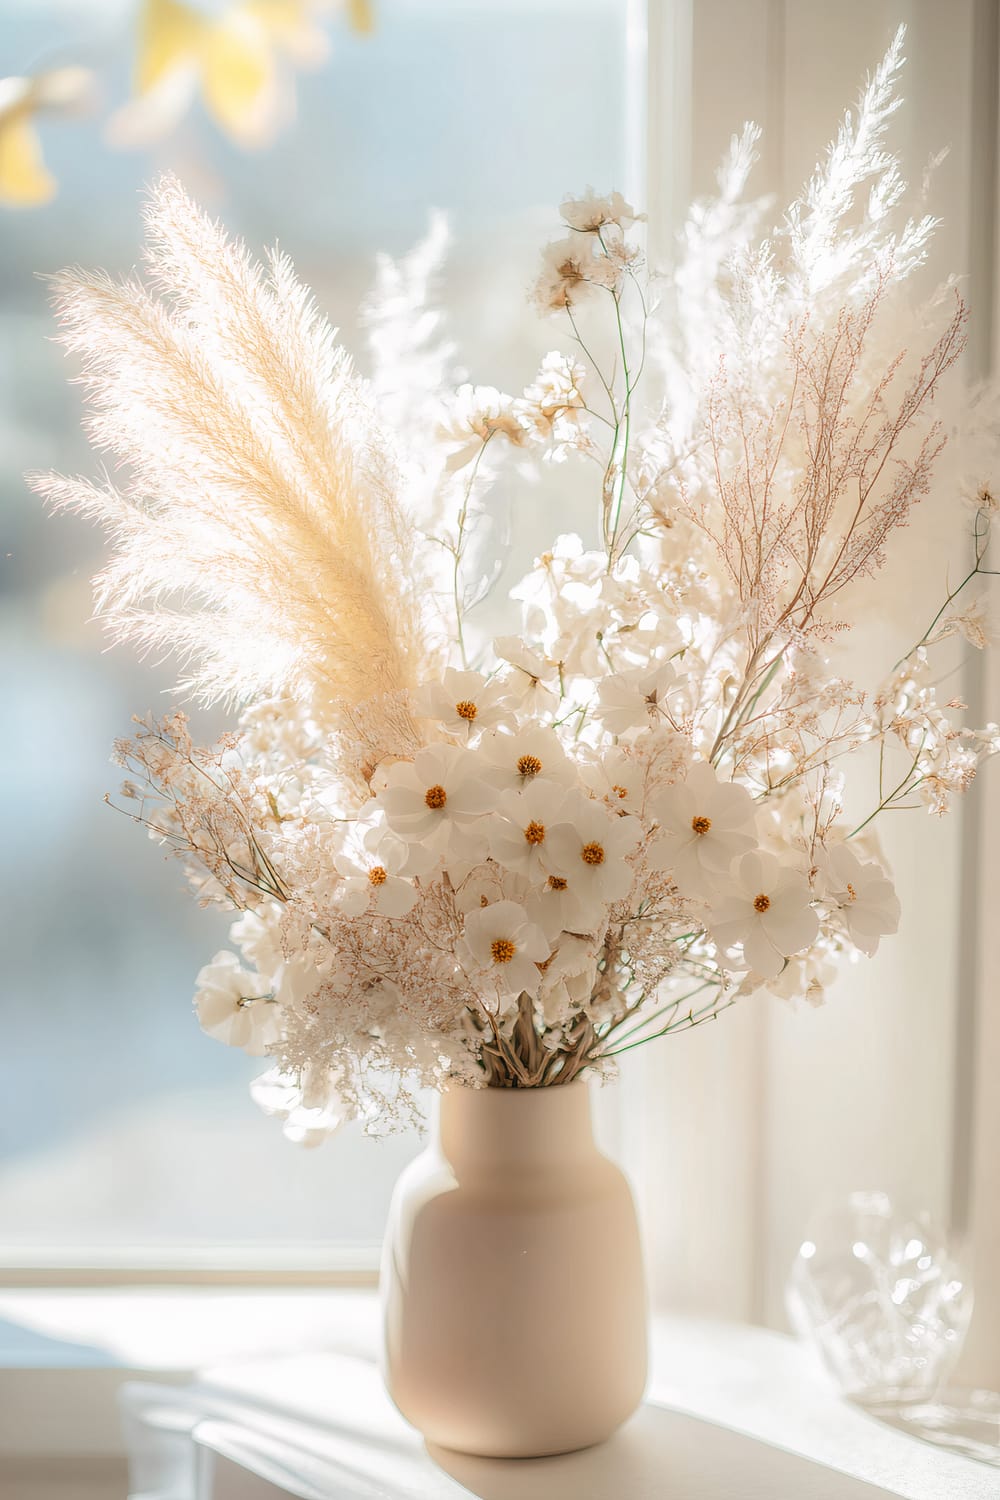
(257, 534)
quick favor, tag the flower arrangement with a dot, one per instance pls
(464, 861)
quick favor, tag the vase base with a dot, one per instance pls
(443, 1453)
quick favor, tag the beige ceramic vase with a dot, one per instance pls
(512, 1281)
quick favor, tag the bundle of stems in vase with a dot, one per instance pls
(503, 862)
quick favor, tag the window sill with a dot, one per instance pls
(267, 1266)
(724, 1400)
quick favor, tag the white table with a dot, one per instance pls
(732, 1413)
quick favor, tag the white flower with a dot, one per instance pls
(592, 212)
(310, 1107)
(618, 778)
(519, 837)
(233, 1007)
(704, 824)
(373, 863)
(258, 937)
(869, 906)
(503, 947)
(576, 609)
(561, 594)
(464, 702)
(476, 413)
(565, 903)
(512, 762)
(588, 850)
(486, 883)
(553, 409)
(533, 664)
(570, 273)
(768, 914)
(806, 977)
(526, 687)
(568, 980)
(436, 798)
(630, 700)
(557, 385)
(259, 941)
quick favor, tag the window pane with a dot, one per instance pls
(121, 1125)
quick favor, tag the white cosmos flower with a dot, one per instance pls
(519, 837)
(526, 687)
(806, 977)
(436, 799)
(631, 700)
(704, 824)
(464, 702)
(484, 884)
(373, 863)
(869, 906)
(234, 1007)
(588, 850)
(618, 778)
(501, 946)
(766, 912)
(564, 903)
(511, 762)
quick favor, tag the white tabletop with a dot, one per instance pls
(732, 1413)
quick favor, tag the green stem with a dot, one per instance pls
(456, 551)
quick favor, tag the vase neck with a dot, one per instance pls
(517, 1126)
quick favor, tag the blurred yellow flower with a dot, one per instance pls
(238, 61)
(25, 180)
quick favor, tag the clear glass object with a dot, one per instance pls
(880, 1294)
(967, 1421)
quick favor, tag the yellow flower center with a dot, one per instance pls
(852, 894)
(377, 875)
(535, 833)
(484, 900)
(466, 710)
(557, 883)
(503, 950)
(435, 797)
(701, 824)
(592, 854)
(761, 903)
(621, 792)
(528, 765)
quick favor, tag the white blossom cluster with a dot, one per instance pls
(522, 858)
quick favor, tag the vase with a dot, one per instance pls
(513, 1294)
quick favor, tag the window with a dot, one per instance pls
(124, 1133)
(122, 1130)
(778, 1110)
